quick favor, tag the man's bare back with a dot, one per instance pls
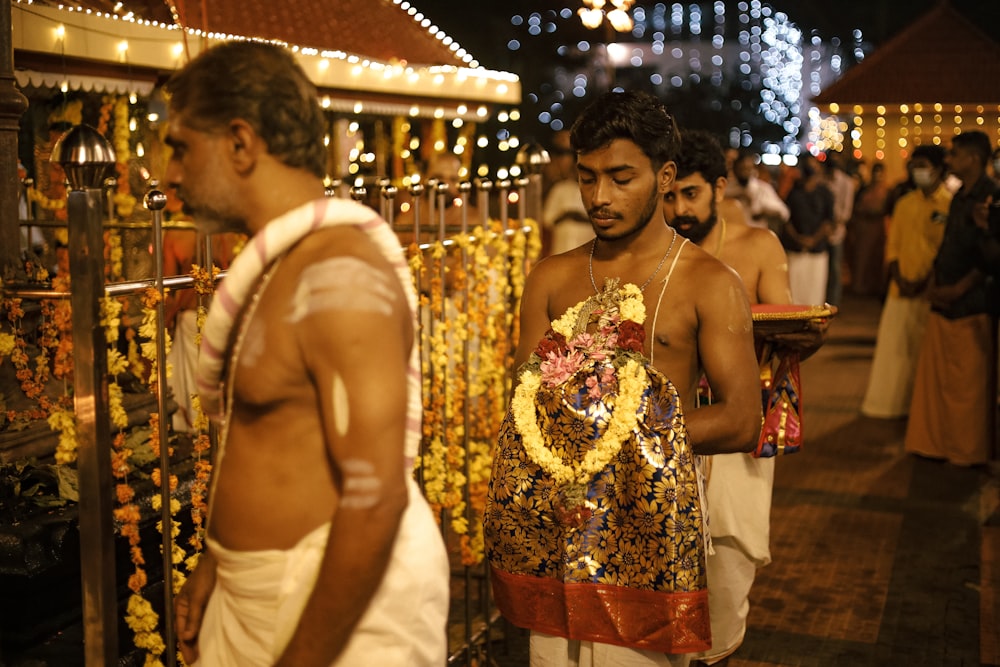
(278, 480)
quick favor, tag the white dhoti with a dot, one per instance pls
(550, 651)
(183, 360)
(807, 276)
(894, 365)
(259, 597)
(739, 510)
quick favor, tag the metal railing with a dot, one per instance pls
(462, 239)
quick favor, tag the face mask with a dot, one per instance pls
(923, 177)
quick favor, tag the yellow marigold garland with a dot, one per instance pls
(38, 197)
(6, 345)
(63, 421)
(123, 199)
(467, 302)
(116, 254)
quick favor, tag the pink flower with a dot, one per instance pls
(598, 384)
(558, 368)
(594, 388)
(584, 341)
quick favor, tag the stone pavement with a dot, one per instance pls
(879, 558)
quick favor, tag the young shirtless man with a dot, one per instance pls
(697, 320)
(321, 550)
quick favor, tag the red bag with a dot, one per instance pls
(781, 393)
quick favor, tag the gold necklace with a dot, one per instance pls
(642, 288)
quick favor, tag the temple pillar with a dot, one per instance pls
(12, 106)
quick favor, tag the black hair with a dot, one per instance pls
(933, 154)
(976, 142)
(633, 115)
(701, 152)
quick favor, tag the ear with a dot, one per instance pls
(245, 145)
(719, 189)
(665, 177)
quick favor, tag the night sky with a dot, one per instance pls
(481, 25)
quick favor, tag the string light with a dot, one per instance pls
(470, 80)
(594, 12)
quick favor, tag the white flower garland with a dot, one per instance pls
(632, 381)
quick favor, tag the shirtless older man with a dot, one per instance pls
(605, 563)
(321, 550)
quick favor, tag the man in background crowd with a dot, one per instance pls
(759, 198)
(953, 412)
(806, 234)
(915, 232)
(842, 186)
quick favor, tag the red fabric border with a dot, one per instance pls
(641, 619)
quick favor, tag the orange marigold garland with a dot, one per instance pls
(471, 302)
(142, 620)
(204, 284)
(433, 363)
(33, 378)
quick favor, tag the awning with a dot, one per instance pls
(27, 78)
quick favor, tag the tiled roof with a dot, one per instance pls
(377, 29)
(940, 57)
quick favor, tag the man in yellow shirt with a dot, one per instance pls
(915, 233)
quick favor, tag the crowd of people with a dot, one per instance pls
(626, 516)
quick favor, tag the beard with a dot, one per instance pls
(697, 229)
(645, 217)
(212, 219)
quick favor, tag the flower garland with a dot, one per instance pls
(123, 199)
(485, 392)
(442, 474)
(204, 284)
(140, 616)
(115, 253)
(49, 204)
(610, 357)
(52, 336)
(468, 287)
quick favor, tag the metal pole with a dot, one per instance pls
(90, 398)
(86, 156)
(155, 201)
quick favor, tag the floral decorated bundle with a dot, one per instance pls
(594, 526)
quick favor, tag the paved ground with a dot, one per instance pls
(880, 558)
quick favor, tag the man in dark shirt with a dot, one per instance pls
(953, 412)
(806, 234)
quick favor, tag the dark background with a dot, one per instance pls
(484, 29)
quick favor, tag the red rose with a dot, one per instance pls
(552, 341)
(631, 336)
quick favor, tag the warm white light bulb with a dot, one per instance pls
(620, 20)
(591, 18)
